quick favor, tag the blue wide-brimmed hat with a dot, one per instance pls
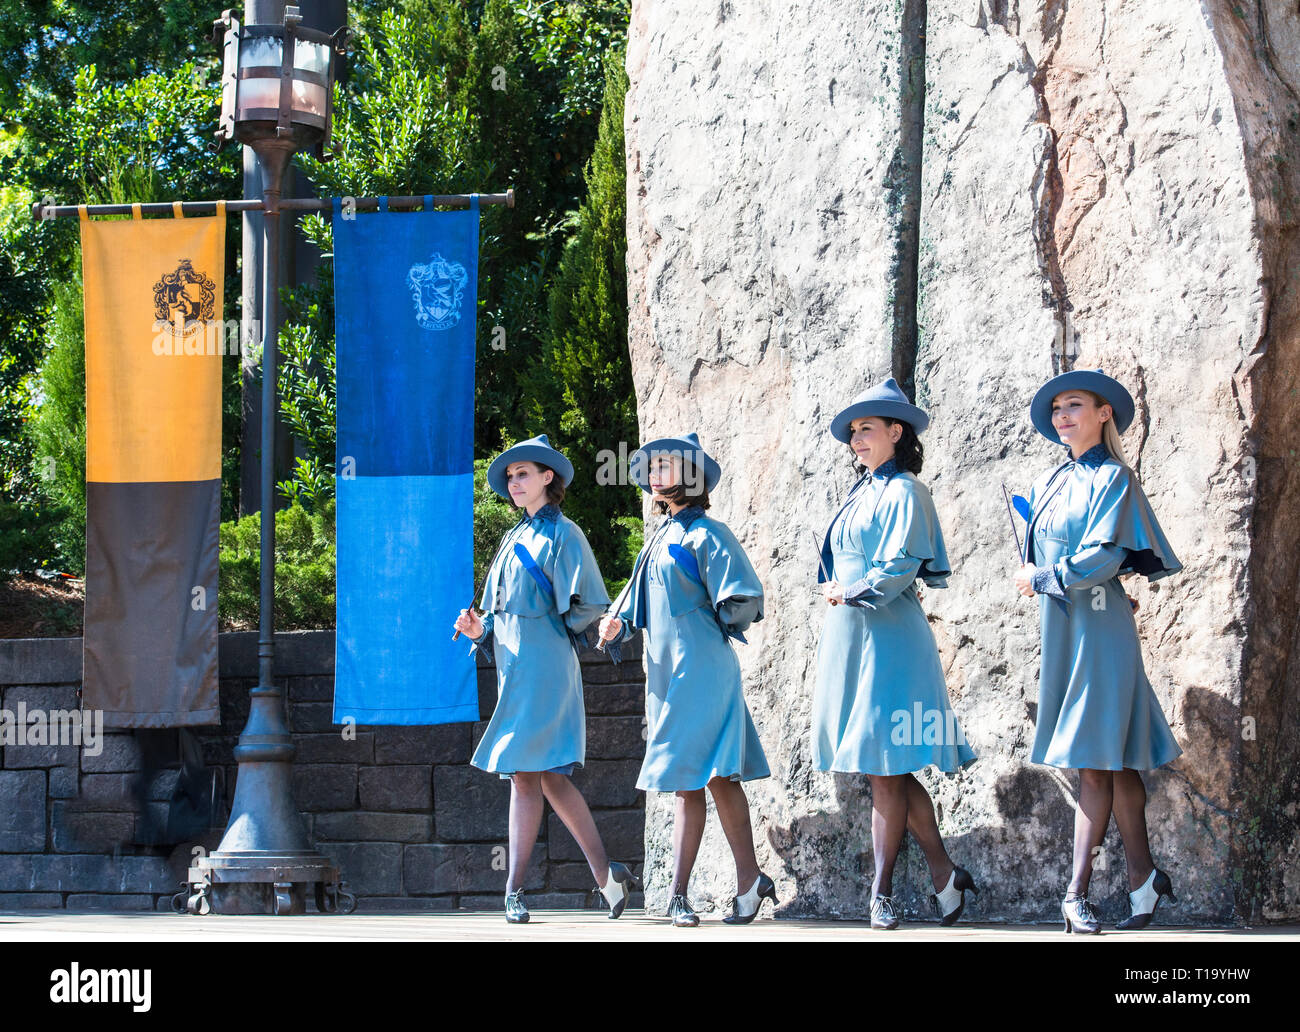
(885, 399)
(535, 449)
(1107, 387)
(687, 447)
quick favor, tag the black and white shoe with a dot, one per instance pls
(1146, 898)
(951, 900)
(618, 888)
(745, 908)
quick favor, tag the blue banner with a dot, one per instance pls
(405, 296)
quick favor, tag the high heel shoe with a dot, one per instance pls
(1080, 915)
(516, 910)
(618, 888)
(745, 908)
(884, 912)
(951, 900)
(679, 909)
(1146, 898)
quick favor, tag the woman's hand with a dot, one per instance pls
(1024, 577)
(469, 623)
(610, 628)
(833, 592)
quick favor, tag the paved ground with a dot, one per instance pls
(572, 925)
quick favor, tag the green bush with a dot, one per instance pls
(304, 569)
(305, 554)
(493, 516)
(27, 535)
(28, 260)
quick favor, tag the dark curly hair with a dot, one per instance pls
(909, 453)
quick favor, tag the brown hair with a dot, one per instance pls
(555, 489)
(679, 495)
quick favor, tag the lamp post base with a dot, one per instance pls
(263, 883)
(266, 860)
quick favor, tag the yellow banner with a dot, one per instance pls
(154, 344)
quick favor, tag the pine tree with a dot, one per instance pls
(583, 394)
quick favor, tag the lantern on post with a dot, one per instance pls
(276, 98)
(276, 82)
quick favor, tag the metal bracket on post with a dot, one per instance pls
(225, 32)
(288, 45)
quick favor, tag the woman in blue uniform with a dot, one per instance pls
(542, 590)
(881, 703)
(1089, 522)
(692, 590)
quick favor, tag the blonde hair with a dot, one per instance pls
(1110, 432)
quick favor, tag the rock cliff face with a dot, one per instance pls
(974, 196)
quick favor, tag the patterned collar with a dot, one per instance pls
(885, 470)
(1093, 457)
(688, 515)
(549, 511)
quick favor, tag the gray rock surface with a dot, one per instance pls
(1110, 183)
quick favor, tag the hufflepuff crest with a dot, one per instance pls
(186, 293)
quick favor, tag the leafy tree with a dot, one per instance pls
(43, 43)
(401, 133)
(537, 76)
(58, 426)
(111, 143)
(450, 97)
(115, 101)
(29, 259)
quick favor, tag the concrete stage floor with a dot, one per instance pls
(568, 925)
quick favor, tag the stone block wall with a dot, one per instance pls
(411, 825)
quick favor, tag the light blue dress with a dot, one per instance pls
(693, 589)
(881, 703)
(539, 723)
(1090, 520)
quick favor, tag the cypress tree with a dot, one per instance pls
(582, 392)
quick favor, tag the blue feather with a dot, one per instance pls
(687, 561)
(530, 564)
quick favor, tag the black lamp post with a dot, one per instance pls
(276, 98)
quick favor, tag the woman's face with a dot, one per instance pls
(665, 474)
(1078, 419)
(527, 484)
(873, 440)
